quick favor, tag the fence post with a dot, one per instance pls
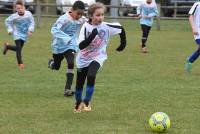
(175, 9)
(114, 11)
(38, 13)
(158, 17)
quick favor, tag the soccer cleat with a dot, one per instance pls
(78, 107)
(87, 108)
(50, 63)
(21, 66)
(5, 48)
(68, 93)
(188, 67)
(144, 50)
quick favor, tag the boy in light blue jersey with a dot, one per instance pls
(64, 44)
(146, 12)
(20, 25)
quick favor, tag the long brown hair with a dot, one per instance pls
(94, 7)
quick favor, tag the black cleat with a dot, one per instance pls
(68, 93)
(50, 63)
(5, 48)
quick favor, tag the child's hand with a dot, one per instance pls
(121, 47)
(146, 17)
(139, 16)
(195, 32)
(10, 33)
(30, 33)
(94, 31)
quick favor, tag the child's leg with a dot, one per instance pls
(81, 76)
(69, 56)
(91, 76)
(80, 80)
(145, 32)
(192, 58)
(55, 63)
(19, 46)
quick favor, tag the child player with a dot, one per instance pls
(20, 25)
(93, 38)
(64, 44)
(146, 12)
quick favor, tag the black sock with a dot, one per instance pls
(143, 42)
(69, 81)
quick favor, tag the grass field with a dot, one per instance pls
(130, 87)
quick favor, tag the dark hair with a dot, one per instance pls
(19, 2)
(78, 5)
(94, 7)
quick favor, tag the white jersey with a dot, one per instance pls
(96, 50)
(195, 11)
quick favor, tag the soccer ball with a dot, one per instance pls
(159, 122)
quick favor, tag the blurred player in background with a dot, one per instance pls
(20, 25)
(146, 12)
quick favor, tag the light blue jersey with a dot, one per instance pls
(65, 33)
(19, 26)
(149, 10)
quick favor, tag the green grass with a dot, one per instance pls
(129, 88)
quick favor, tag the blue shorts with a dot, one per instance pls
(198, 41)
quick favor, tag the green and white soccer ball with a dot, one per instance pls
(159, 122)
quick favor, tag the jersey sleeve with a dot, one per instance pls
(114, 28)
(82, 34)
(139, 9)
(32, 25)
(193, 9)
(58, 33)
(9, 23)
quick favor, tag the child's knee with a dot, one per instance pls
(71, 65)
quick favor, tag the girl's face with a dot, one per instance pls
(98, 16)
(20, 9)
(149, 1)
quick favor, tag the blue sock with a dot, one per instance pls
(89, 93)
(78, 95)
(194, 56)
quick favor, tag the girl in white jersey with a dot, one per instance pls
(20, 25)
(195, 25)
(93, 40)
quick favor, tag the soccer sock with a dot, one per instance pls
(143, 42)
(70, 76)
(89, 93)
(194, 56)
(78, 95)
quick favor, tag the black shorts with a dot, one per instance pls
(69, 55)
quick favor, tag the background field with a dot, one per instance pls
(130, 87)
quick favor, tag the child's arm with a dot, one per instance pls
(57, 32)
(122, 40)
(83, 44)
(191, 20)
(32, 25)
(9, 24)
(116, 28)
